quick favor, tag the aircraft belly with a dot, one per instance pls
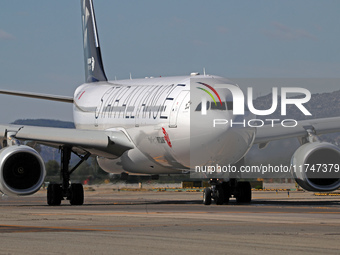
(209, 150)
(134, 162)
(159, 145)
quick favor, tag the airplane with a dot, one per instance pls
(154, 126)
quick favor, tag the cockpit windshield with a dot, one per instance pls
(216, 106)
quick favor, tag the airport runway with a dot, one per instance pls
(113, 222)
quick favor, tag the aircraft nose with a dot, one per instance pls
(207, 142)
(214, 141)
(213, 138)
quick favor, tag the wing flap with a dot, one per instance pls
(110, 144)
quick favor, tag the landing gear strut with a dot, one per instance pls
(221, 191)
(73, 192)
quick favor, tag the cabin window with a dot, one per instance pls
(230, 105)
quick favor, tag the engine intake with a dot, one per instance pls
(22, 170)
(315, 166)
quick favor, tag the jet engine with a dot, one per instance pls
(315, 166)
(22, 170)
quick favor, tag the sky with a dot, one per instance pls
(258, 43)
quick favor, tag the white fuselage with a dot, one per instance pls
(161, 119)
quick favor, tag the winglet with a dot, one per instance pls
(94, 69)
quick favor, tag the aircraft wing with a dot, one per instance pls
(268, 133)
(109, 144)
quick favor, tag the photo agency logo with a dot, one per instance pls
(204, 102)
(241, 106)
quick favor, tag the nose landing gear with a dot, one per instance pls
(221, 191)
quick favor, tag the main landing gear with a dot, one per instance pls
(221, 191)
(73, 192)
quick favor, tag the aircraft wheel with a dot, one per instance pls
(207, 196)
(226, 192)
(54, 194)
(219, 195)
(76, 194)
(244, 192)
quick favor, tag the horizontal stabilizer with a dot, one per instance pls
(64, 99)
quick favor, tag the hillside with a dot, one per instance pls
(320, 106)
(47, 153)
(44, 123)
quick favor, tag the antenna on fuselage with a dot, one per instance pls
(130, 77)
(204, 71)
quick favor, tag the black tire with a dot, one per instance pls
(219, 199)
(76, 194)
(54, 194)
(244, 192)
(207, 196)
(226, 192)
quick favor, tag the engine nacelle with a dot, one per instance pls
(315, 166)
(22, 170)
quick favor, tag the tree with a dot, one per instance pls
(34, 145)
(52, 168)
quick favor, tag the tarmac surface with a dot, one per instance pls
(151, 222)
